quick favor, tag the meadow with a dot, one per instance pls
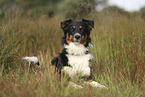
(118, 48)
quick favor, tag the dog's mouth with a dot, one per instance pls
(76, 40)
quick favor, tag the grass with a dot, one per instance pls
(118, 50)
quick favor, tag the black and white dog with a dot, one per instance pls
(75, 58)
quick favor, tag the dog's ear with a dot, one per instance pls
(65, 23)
(90, 23)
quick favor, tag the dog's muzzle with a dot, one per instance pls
(77, 37)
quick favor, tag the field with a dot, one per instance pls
(118, 49)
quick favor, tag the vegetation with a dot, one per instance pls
(118, 50)
(51, 7)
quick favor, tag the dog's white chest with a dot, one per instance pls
(78, 60)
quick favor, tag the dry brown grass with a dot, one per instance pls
(118, 50)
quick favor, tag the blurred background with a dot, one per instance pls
(70, 8)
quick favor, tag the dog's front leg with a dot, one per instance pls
(71, 84)
(95, 84)
(69, 71)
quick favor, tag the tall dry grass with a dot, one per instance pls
(118, 50)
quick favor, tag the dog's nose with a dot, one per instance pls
(77, 36)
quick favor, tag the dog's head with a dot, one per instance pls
(77, 31)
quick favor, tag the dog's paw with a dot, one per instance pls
(71, 84)
(95, 84)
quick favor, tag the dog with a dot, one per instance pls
(75, 58)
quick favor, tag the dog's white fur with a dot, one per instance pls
(31, 59)
(95, 84)
(79, 61)
(71, 84)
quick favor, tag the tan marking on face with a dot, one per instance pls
(74, 27)
(84, 40)
(68, 39)
(80, 27)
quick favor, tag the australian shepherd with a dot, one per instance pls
(75, 58)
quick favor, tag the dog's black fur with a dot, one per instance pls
(70, 28)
